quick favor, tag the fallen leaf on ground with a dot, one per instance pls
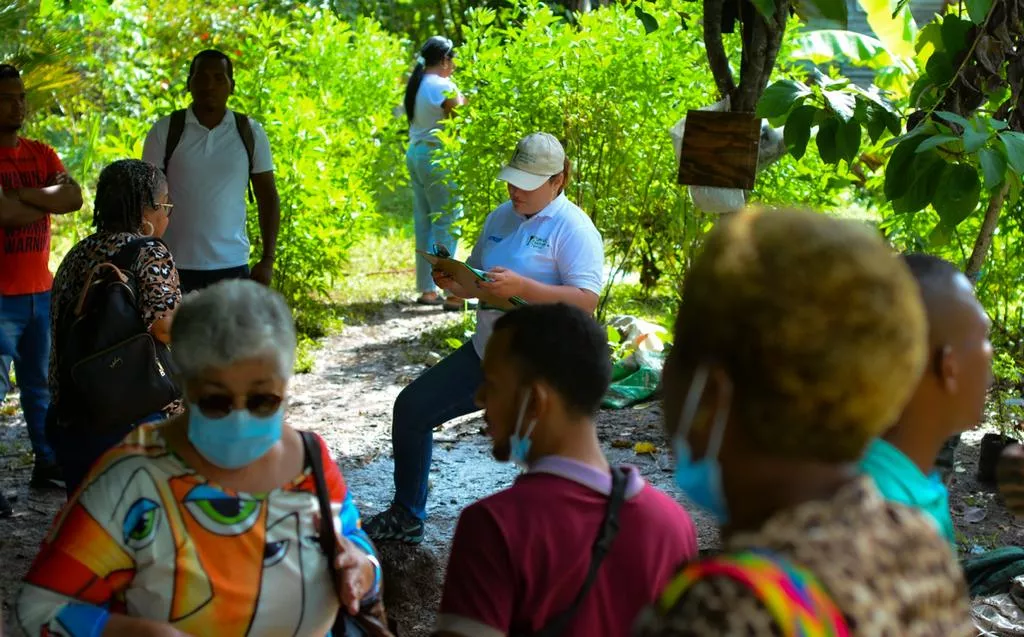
(621, 444)
(641, 448)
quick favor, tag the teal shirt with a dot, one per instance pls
(900, 480)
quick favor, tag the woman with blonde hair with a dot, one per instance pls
(798, 341)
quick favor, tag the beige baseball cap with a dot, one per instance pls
(538, 157)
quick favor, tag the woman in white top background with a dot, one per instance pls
(538, 246)
(430, 97)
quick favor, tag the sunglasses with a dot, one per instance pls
(220, 405)
(168, 208)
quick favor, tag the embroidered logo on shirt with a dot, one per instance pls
(537, 242)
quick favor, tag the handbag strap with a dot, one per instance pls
(605, 538)
(315, 463)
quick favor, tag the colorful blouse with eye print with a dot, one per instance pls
(149, 537)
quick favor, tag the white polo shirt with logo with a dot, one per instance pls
(208, 177)
(557, 246)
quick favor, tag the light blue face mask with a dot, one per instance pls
(701, 480)
(235, 440)
(519, 443)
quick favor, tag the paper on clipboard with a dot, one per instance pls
(468, 277)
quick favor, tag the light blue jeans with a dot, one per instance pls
(25, 342)
(434, 208)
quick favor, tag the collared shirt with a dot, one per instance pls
(900, 480)
(208, 176)
(882, 564)
(557, 246)
(429, 112)
(25, 251)
(519, 557)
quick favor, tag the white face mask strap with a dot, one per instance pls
(692, 402)
(522, 414)
(721, 418)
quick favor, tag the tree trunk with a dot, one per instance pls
(988, 228)
(717, 57)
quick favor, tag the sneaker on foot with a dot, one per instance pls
(46, 476)
(395, 525)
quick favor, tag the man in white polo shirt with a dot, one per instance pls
(210, 155)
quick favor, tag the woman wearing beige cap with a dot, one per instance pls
(538, 246)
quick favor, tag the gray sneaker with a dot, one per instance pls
(395, 525)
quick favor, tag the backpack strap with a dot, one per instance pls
(605, 537)
(794, 597)
(121, 264)
(174, 132)
(244, 127)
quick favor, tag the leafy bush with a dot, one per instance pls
(324, 90)
(610, 91)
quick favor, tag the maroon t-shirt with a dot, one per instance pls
(520, 556)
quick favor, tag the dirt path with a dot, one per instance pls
(347, 398)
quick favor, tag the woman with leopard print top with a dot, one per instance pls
(799, 339)
(131, 204)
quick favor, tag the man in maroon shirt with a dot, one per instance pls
(33, 186)
(521, 557)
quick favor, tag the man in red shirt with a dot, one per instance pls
(520, 558)
(34, 185)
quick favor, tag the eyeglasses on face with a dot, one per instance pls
(220, 405)
(168, 208)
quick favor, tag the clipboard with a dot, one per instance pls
(468, 277)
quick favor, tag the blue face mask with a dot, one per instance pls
(235, 440)
(519, 444)
(701, 480)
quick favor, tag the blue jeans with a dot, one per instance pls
(443, 392)
(434, 208)
(25, 342)
(194, 280)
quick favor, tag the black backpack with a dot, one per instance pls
(113, 373)
(177, 127)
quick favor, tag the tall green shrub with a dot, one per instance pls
(611, 92)
(324, 90)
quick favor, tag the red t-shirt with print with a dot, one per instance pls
(25, 251)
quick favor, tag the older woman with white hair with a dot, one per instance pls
(208, 524)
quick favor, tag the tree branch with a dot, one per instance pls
(717, 58)
(988, 228)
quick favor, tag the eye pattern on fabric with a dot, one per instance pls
(141, 523)
(220, 513)
(274, 552)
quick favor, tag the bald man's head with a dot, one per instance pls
(956, 379)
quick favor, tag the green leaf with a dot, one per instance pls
(614, 338)
(834, 11)
(940, 67)
(931, 34)
(898, 169)
(993, 167)
(954, 33)
(895, 30)
(1014, 143)
(646, 19)
(781, 97)
(826, 140)
(923, 180)
(978, 10)
(876, 124)
(823, 46)
(953, 118)
(797, 131)
(958, 194)
(453, 343)
(841, 103)
(848, 140)
(976, 135)
(936, 141)
(941, 234)
(765, 7)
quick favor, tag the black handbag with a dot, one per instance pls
(113, 373)
(372, 620)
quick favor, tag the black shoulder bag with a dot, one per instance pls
(609, 530)
(371, 621)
